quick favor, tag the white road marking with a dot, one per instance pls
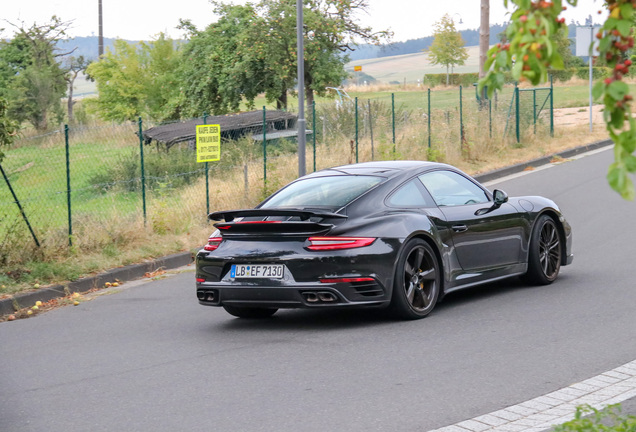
(546, 166)
(551, 409)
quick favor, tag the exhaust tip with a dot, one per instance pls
(311, 297)
(326, 297)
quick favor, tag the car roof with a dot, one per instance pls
(387, 169)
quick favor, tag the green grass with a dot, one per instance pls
(108, 225)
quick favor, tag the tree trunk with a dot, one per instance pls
(69, 103)
(281, 102)
(446, 74)
(484, 36)
(484, 42)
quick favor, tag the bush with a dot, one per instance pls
(589, 419)
(562, 75)
(597, 72)
(467, 79)
(176, 168)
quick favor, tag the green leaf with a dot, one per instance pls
(617, 90)
(597, 90)
(630, 163)
(517, 69)
(624, 26)
(557, 61)
(616, 177)
(502, 59)
(627, 11)
(604, 44)
(617, 118)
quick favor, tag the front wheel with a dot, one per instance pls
(417, 281)
(250, 312)
(544, 256)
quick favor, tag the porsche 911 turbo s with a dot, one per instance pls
(394, 234)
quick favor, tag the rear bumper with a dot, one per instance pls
(299, 296)
(308, 280)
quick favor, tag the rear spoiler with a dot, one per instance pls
(228, 216)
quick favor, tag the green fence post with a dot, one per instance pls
(534, 109)
(143, 173)
(393, 121)
(207, 177)
(517, 111)
(461, 120)
(356, 101)
(68, 187)
(429, 118)
(551, 107)
(15, 199)
(313, 126)
(264, 147)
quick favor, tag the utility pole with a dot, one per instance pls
(484, 40)
(302, 138)
(100, 43)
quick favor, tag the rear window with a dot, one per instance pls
(334, 191)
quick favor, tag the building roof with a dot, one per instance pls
(233, 126)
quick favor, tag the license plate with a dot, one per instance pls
(266, 271)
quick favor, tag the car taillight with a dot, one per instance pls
(336, 243)
(213, 243)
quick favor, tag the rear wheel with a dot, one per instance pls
(249, 312)
(544, 256)
(417, 281)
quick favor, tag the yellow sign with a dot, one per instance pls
(357, 68)
(208, 143)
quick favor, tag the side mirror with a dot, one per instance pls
(499, 197)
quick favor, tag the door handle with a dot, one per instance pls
(460, 228)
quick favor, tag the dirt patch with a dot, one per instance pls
(578, 116)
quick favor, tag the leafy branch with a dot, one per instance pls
(531, 52)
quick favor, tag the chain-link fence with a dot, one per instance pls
(88, 187)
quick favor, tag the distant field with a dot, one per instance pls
(410, 67)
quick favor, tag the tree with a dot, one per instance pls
(251, 49)
(226, 62)
(34, 79)
(8, 128)
(134, 80)
(74, 66)
(447, 48)
(531, 51)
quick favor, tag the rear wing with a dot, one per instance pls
(303, 215)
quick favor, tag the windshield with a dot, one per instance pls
(334, 191)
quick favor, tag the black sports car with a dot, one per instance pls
(398, 234)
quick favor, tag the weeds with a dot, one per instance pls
(589, 419)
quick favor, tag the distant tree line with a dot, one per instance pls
(412, 46)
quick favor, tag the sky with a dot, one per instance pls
(144, 19)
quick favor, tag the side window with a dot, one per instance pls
(409, 195)
(451, 189)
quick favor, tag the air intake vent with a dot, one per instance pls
(368, 288)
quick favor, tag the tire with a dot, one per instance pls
(250, 312)
(417, 281)
(544, 255)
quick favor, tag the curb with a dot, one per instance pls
(124, 274)
(137, 271)
(514, 169)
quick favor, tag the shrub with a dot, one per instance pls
(590, 420)
(597, 72)
(562, 74)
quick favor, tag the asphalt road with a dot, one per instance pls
(149, 358)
